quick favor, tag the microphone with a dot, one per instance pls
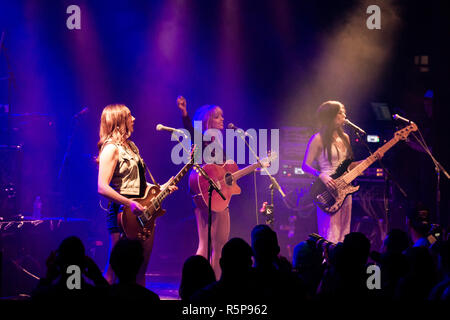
(354, 126)
(232, 126)
(160, 127)
(398, 117)
(83, 111)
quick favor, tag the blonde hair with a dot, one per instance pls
(205, 114)
(114, 125)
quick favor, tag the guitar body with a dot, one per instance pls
(222, 176)
(331, 201)
(142, 227)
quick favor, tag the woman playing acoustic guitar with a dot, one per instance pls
(212, 118)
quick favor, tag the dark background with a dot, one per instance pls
(268, 64)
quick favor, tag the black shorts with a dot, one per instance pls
(111, 218)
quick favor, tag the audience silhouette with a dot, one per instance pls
(57, 284)
(346, 276)
(418, 220)
(392, 261)
(442, 290)
(197, 273)
(274, 281)
(420, 277)
(258, 273)
(127, 257)
(307, 263)
(236, 283)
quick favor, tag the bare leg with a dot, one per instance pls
(147, 246)
(202, 229)
(220, 231)
(109, 274)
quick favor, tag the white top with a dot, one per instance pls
(337, 156)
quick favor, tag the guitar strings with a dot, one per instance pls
(327, 195)
(340, 182)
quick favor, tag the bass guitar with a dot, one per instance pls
(331, 201)
(141, 227)
(225, 176)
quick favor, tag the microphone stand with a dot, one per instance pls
(269, 211)
(438, 169)
(274, 182)
(212, 187)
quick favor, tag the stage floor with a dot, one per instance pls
(164, 285)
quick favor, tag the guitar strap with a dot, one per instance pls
(151, 177)
(136, 151)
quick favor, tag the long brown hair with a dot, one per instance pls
(326, 113)
(114, 125)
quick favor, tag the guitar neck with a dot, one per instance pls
(245, 171)
(165, 192)
(359, 169)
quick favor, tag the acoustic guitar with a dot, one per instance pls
(225, 176)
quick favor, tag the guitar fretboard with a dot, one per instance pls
(165, 192)
(359, 169)
(245, 171)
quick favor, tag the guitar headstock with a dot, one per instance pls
(404, 133)
(271, 155)
(197, 168)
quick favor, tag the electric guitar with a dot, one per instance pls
(225, 176)
(141, 227)
(331, 201)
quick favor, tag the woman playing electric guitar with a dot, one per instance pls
(121, 176)
(326, 150)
